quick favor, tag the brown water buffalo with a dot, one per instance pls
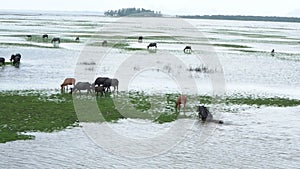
(180, 100)
(67, 81)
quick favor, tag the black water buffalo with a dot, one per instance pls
(55, 40)
(100, 81)
(2, 61)
(140, 39)
(77, 38)
(205, 115)
(82, 86)
(152, 45)
(29, 36)
(15, 59)
(187, 49)
(104, 43)
(45, 36)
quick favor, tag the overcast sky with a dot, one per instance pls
(182, 7)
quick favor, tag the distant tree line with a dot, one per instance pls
(244, 18)
(132, 11)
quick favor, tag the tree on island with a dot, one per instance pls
(133, 12)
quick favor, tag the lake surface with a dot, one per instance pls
(236, 54)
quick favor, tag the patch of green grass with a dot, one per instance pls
(40, 39)
(276, 101)
(230, 45)
(30, 111)
(23, 45)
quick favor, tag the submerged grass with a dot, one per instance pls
(23, 45)
(31, 111)
(230, 45)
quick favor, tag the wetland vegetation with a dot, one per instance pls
(32, 111)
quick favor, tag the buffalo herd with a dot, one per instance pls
(101, 85)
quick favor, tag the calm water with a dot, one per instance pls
(265, 137)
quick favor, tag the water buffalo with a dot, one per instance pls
(15, 59)
(140, 39)
(104, 43)
(99, 89)
(152, 45)
(205, 115)
(2, 61)
(55, 40)
(77, 39)
(82, 86)
(29, 37)
(45, 36)
(67, 81)
(111, 82)
(100, 81)
(180, 100)
(187, 49)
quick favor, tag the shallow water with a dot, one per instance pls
(265, 137)
(255, 138)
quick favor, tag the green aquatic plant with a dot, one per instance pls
(31, 111)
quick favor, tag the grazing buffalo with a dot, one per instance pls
(111, 82)
(45, 36)
(104, 43)
(180, 100)
(115, 84)
(2, 61)
(152, 45)
(15, 59)
(100, 81)
(82, 86)
(55, 40)
(29, 37)
(99, 89)
(140, 39)
(67, 81)
(187, 49)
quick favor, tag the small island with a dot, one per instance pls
(133, 12)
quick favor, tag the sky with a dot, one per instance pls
(171, 7)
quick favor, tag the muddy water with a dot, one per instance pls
(266, 137)
(249, 139)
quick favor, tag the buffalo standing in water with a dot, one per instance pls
(205, 115)
(2, 61)
(140, 39)
(187, 49)
(45, 36)
(152, 45)
(15, 59)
